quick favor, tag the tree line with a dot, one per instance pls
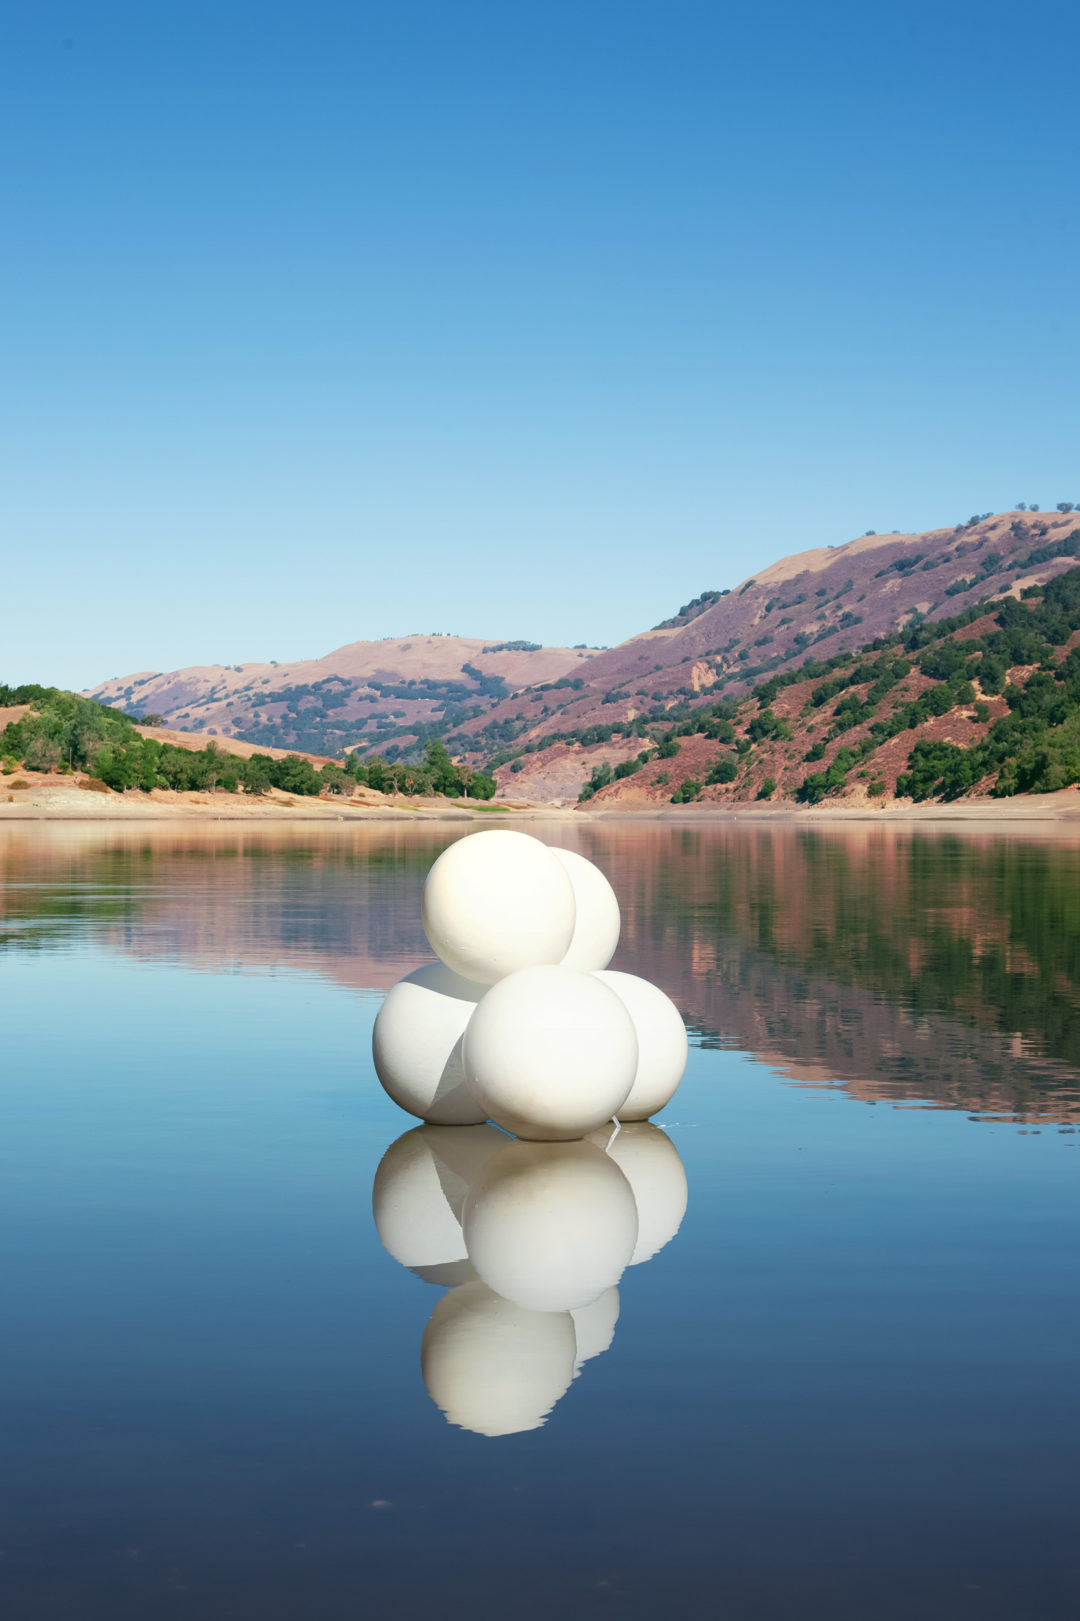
(62, 731)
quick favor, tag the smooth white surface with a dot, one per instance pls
(597, 921)
(419, 1194)
(594, 1327)
(495, 902)
(650, 1162)
(662, 1043)
(550, 1225)
(416, 1045)
(494, 1367)
(551, 1052)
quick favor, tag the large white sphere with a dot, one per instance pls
(650, 1162)
(550, 1225)
(494, 1367)
(552, 1053)
(419, 1193)
(594, 1327)
(495, 902)
(416, 1044)
(597, 922)
(662, 1043)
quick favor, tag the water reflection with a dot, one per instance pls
(901, 964)
(531, 1241)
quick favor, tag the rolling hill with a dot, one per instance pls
(366, 695)
(554, 724)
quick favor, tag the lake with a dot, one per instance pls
(845, 1387)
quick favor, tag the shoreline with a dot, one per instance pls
(64, 803)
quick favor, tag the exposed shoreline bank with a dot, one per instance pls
(53, 802)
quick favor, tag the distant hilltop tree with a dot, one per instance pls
(514, 647)
(691, 610)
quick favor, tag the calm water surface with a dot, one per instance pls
(846, 1387)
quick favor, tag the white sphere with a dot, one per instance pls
(662, 1043)
(419, 1192)
(594, 1327)
(416, 1044)
(550, 1226)
(495, 902)
(493, 1367)
(597, 923)
(552, 1053)
(651, 1164)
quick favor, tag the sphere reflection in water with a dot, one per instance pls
(419, 1194)
(662, 1044)
(651, 1164)
(492, 1366)
(551, 1052)
(594, 1327)
(550, 1226)
(416, 1045)
(495, 902)
(597, 918)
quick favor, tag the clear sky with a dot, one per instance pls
(510, 317)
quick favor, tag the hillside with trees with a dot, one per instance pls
(371, 695)
(52, 732)
(813, 606)
(984, 702)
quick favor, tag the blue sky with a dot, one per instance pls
(327, 321)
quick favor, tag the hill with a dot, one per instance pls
(367, 695)
(546, 742)
(985, 702)
(56, 734)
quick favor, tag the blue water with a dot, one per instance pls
(846, 1388)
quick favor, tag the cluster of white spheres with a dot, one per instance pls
(520, 1021)
(530, 1240)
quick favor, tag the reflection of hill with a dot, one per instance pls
(901, 965)
(898, 964)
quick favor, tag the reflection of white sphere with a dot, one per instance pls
(594, 1326)
(419, 1192)
(551, 1052)
(492, 1366)
(596, 929)
(550, 1225)
(495, 902)
(662, 1043)
(416, 1044)
(650, 1162)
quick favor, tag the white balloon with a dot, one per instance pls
(419, 1193)
(550, 1226)
(552, 1053)
(651, 1164)
(416, 1044)
(597, 923)
(494, 1367)
(662, 1043)
(594, 1327)
(495, 902)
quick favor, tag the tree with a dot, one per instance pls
(295, 775)
(767, 789)
(335, 780)
(444, 775)
(725, 768)
(687, 791)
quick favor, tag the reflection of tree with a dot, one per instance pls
(897, 963)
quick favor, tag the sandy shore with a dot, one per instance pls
(1062, 808)
(51, 799)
